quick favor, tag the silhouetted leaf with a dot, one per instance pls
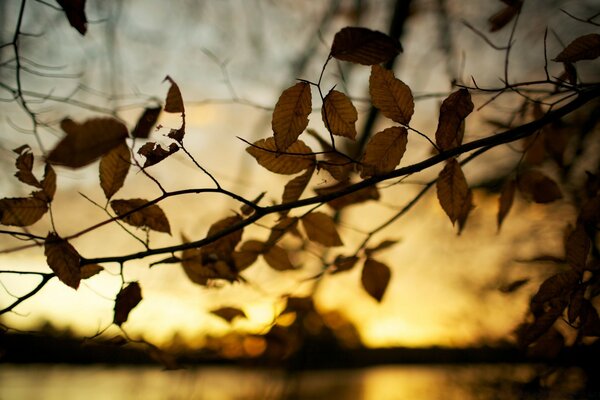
(191, 261)
(452, 190)
(174, 102)
(75, 11)
(229, 313)
(89, 270)
(22, 211)
(390, 95)
(222, 249)
(114, 167)
(505, 201)
(364, 46)
(154, 152)
(248, 253)
(360, 196)
(86, 142)
(24, 164)
(538, 187)
(248, 210)
(342, 263)
(146, 122)
(586, 47)
(575, 304)
(375, 278)
(294, 188)
(63, 259)
(384, 151)
(577, 247)
(127, 299)
(285, 225)
(464, 211)
(151, 217)
(337, 165)
(298, 156)
(504, 16)
(48, 184)
(453, 111)
(278, 259)
(339, 114)
(370, 251)
(320, 228)
(290, 116)
(514, 286)
(557, 285)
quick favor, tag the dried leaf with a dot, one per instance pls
(453, 111)
(151, 217)
(127, 299)
(504, 16)
(174, 101)
(297, 158)
(339, 114)
(452, 190)
(370, 251)
(364, 46)
(538, 187)
(337, 165)
(384, 151)
(48, 184)
(63, 259)
(75, 12)
(24, 164)
(342, 263)
(556, 286)
(577, 248)
(229, 313)
(286, 224)
(191, 261)
(22, 211)
(278, 259)
(320, 228)
(248, 253)
(222, 249)
(146, 122)
(390, 95)
(375, 278)
(114, 167)
(586, 47)
(248, 210)
(154, 152)
(290, 116)
(86, 142)
(360, 196)
(89, 270)
(294, 188)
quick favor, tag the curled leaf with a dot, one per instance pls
(127, 299)
(384, 151)
(63, 259)
(290, 116)
(320, 228)
(390, 95)
(151, 217)
(364, 46)
(297, 158)
(154, 152)
(24, 164)
(339, 114)
(375, 278)
(114, 167)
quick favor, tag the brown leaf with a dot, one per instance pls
(114, 167)
(290, 116)
(453, 111)
(48, 184)
(547, 346)
(75, 12)
(178, 134)
(590, 321)
(536, 186)
(390, 95)
(504, 16)
(465, 210)
(174, 101)
(89, 270)
(248, 210)
(266, 154)
(154, 152)
(191, 261)
(384, 151)
(370, 251)
(514, 286)
(364, 46)
(452, 190)
(278, 259)
(505, 201)
(146, 122)
(286, 224)
(229, 313)
(248, 253)
(337, 165)
(24, 164)
(556, 286)
(86, 142)
(360, 196)
(294, 188)
(63, 259)
(22, 211)
(577, 248)
(339, 114)
(342, 263)
(576, 304)
(222, 249)
(151, 217)
(320, 228)
(586, 47)
(127, 299)
(375, 278)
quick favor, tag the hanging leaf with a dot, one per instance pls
(290, 116)
(222, 249)
(337, 165)
(390, 95)
(63, 260)
(22, 211)
(465, 210)
(229, 313)
(154, 152)
(174, 102)
(360, 196)
(339, 114)
(384, 151)
(342, 263)
(538, 187)
(504, 16)
(191, 261)
(86, 142)
(151, 217)
(286, 224)
(452, 190)
(577, 248)
(248, 253)
(453, 111)
(294, 188)
(24, 164)
(320, 228)
(146, 122)
(375, 278)
(586, 47)
(370, 251)
(278, 259)
(127, 299)
(48, 185)
(75, 12)
(298, 158)
(556, 286)
(89, 270)
(114, 167)
(364, 46)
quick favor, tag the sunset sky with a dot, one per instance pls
(444, 288)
